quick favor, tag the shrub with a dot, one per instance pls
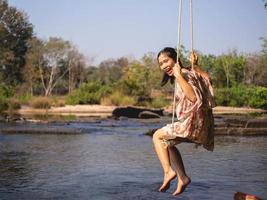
(238, 96)
(5, 92)
(24, 98)
(258, 97)
(159, 102)
(57, 101)
(255, 96)
(118, 99)
(89, 93)
(222, 96)
(41, 102)
(3, 105)
(13, 104)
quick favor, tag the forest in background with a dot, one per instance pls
(44, 73)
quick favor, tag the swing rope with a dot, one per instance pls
(191, 30)
(178, 51)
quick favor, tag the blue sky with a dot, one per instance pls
(113, 28)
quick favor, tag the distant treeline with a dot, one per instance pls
(30, 66)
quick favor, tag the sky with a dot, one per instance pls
(109, 29)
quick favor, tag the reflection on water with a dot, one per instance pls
(114, 160)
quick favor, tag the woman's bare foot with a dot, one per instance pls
(182, 184)
(168, 177)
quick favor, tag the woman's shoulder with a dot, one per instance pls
(205, 75)
(186, 71)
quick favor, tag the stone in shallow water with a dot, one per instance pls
(148, 115)
(133, 112)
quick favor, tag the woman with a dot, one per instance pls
(194, 102)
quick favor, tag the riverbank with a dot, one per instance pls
(106, 111)
(75, 110)
(58, 120)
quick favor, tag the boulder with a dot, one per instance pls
(148, 115)
(133, 112)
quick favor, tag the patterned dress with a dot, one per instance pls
(194, 119)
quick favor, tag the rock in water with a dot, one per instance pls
(148, 115)
(133, 112)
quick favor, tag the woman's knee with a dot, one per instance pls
(157, 135)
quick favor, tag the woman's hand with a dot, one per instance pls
(194, 58)
(177, 70)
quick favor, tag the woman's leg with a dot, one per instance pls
(176, 158)
(163, 155)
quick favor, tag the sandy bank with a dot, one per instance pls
(235, 110)
(106, 111)
(76, 110)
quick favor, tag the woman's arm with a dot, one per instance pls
(185, 86)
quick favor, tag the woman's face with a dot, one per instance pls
(166, 64)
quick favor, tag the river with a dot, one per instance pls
(113, 159)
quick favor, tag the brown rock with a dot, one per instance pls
(133, 112)
(148, 115)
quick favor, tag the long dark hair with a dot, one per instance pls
(171, 53)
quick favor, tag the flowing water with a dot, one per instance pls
(113, 160)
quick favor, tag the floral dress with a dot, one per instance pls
(194, 119)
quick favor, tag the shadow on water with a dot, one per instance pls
(140, 190)
(14, 169)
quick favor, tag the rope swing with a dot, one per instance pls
(191, 32)
(179, 48)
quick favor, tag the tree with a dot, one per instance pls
(255, 71)
(55, 54)
(53, 64)
(230, 69)
(76, 68)
(265, 3)
(256, 67)
(34, 62)
(110, 71)
(134, 81)
(15, 31)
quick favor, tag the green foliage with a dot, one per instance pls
(228, 70)
(5, 92)
(24, 98)
(135, 80)
(15, 30)
(118, 99)
(222, 96)
(255, 97)
(258, 97)
(207, 63)
(56, 67)
(109, 71)
(159, 102)
(235, 96)
(140, 77)
(88, 93)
